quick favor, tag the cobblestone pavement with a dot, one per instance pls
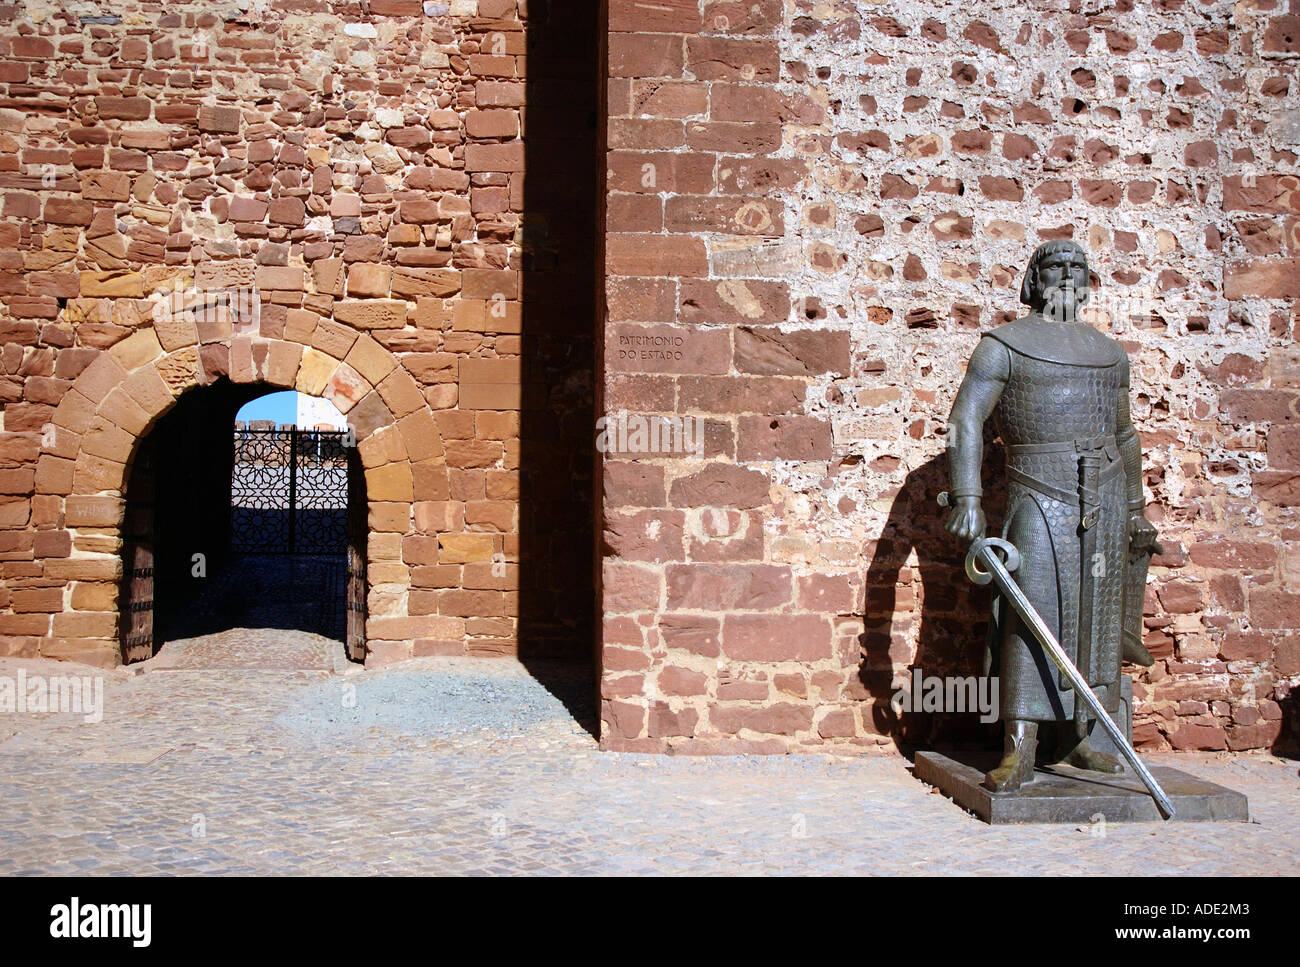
(264, 752)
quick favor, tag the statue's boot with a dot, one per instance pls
(1084, 756)
(1018, 749)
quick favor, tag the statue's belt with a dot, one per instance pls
(1105, 442)
(1087, 493)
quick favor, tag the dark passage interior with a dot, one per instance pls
(255, 527)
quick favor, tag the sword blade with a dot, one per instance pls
(1089, 507)
(1030, 616)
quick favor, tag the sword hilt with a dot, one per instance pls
(986, 545)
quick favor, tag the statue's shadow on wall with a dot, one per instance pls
(1287, 744)
(930, 598)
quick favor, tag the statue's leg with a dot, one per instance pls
(1027, 694)
(1020, 743)
(1083, 756)
(1104, 671)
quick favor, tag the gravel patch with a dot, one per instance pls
(424, 703)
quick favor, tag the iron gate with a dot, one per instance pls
(289, 492)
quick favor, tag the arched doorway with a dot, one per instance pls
(96, 436)
(243, 523)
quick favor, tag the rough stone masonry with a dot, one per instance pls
(357, 168)
(823, 204)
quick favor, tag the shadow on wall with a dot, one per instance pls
(1288, 740)
(950, 617)
(557, 499)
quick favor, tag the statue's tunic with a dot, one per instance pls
(1057, 417)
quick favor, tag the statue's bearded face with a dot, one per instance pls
(1062, 285)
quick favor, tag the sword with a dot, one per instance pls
(1089, 512)
(982, 553)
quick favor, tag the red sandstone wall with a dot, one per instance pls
(814, 208)
(360, 168)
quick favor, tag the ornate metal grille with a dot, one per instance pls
(289, 492)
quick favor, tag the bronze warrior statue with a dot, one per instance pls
(1059, 391)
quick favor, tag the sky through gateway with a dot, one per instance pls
(291, 407)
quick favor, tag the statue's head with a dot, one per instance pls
(1056, 281)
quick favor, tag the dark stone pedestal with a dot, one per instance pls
(1064, 794)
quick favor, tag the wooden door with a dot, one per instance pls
(136, 600)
